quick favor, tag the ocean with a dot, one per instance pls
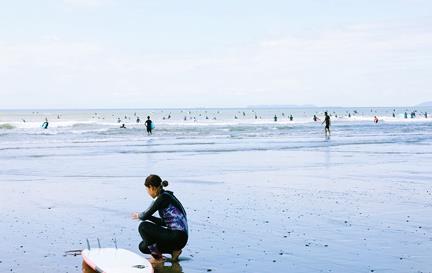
(261, 195)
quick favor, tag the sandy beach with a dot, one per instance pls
(281, 203)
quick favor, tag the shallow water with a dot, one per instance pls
(267, 197)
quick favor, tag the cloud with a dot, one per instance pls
(360, 64)
(87, 3)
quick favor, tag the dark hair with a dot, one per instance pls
(155, 181)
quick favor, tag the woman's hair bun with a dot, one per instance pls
(164, 183)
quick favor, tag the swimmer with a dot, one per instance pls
(376, 119)
(167, 234)
(123, 126)
(291, 118)
(148, 125)
(275, 118)
(45, 124)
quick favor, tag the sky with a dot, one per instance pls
(224, 53)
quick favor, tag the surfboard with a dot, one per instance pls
(113, 260)
(152, 126)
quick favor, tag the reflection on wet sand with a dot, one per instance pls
(87, 269)
(166, 267)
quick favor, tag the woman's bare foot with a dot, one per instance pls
(175, 254)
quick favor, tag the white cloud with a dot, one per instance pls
(362, 64)
(87, 3)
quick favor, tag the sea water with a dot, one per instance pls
(261, 195)
(224, 129)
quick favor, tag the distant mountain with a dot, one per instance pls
(282, 106)
(427, 103)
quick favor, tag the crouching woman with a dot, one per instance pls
(167, 234)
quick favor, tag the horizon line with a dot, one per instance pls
(210, 107)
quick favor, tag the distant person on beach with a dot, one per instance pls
(167, 234)
(138, 120)
(45, 124)
(406, 115)
(327, 124)
(149, 125)
(275, 118)
(376, 119)
(291, 117)
(394, 115)
(123, 126)
(425, 114)
(315, 118)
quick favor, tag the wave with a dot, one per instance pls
(6, 126)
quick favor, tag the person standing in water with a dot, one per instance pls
(45, 124)
(327, 124)
(149, 125)
(167, 234)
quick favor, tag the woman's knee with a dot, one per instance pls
(144, 226)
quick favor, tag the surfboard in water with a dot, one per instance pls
(113, 260)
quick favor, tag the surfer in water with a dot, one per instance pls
(167, 234)
(327, 124)
(149, 125)
(45, 124)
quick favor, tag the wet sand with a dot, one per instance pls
(336, 209)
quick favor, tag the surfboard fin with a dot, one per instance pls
(99, 245)
(88, 244)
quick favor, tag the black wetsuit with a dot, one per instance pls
(327, 122)
(148, 125)
(165, 234)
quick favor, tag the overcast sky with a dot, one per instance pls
(202, 53)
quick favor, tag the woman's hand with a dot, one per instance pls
(135, 216)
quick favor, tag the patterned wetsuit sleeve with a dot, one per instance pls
(160, 202)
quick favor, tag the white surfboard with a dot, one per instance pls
(113, 260)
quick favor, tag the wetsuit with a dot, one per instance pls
(148, 125)
(167, 233)
(327, 124)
